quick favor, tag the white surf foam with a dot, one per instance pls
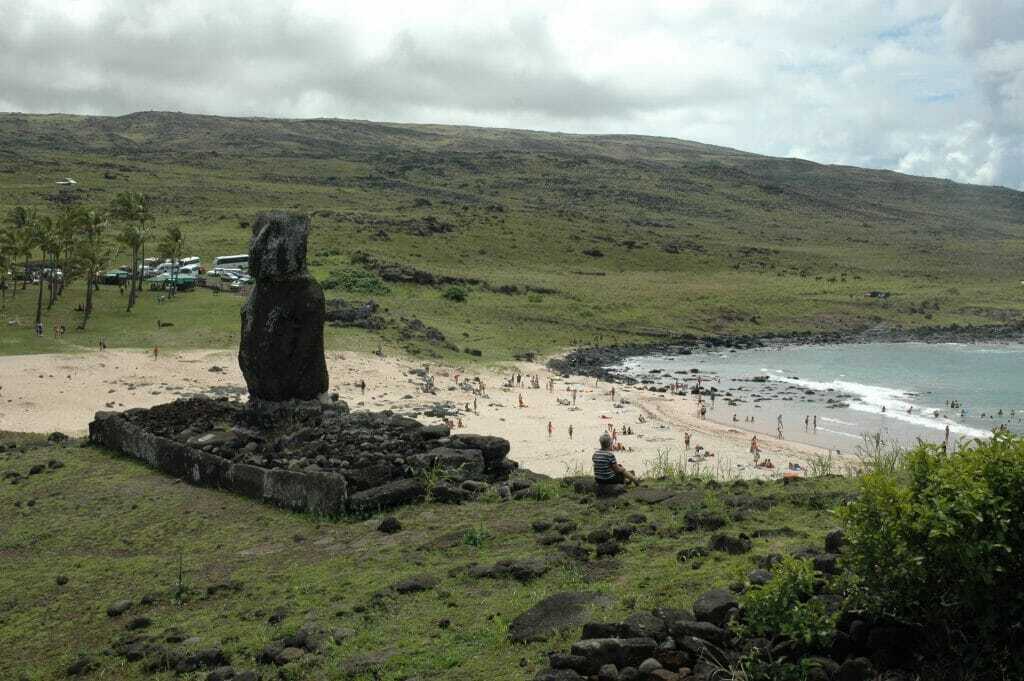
(870, 399)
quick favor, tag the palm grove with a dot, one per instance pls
(77, 242)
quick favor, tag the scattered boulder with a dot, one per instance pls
(834, 541)
(389, 525)
(520, 570)
(414, 584)
(731, 544)
(715, 606)
(119, 608)
(555, 613)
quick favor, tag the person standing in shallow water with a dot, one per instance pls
(607, 470)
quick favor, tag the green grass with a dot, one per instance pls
(762, 244)
(117, 530)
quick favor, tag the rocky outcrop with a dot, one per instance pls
(282, 347)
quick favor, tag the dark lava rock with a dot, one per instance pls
(621, 652)
(520, 570)
(834, 541)
(415, 584)
(715, 606)
(555, 613)
(759, 577)
(119, 608)
(392, 494)
(702, 630)
(201, 659)
(826, 563)
(62, 580)
(389, 525)
(731, 544)
(575, 551)
(609, 548)
(281, 353)
(703, 520)
(691, 553)
(82, 666)
(138, 623)
(557, 675)
(856, 669)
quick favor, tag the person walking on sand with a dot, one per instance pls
(156, 351)
(755, 449)
(521, 403)
(686, 440)
(815, 423)
(570, 431)
(574, 397)
(807, 423)
(779, 427)
(551, 429)
(608, 471)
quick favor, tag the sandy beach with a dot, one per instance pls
(45, 393)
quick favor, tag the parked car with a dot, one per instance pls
(116, 277)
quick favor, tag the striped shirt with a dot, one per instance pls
(603, 460)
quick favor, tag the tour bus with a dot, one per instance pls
(230, 263)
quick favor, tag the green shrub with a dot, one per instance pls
(456, 293)
(784, 606)
(356, 281)
(476, 536)
(942, 542)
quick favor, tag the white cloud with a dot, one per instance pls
(924, 86)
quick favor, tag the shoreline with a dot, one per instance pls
(593, 361)
(62, 392)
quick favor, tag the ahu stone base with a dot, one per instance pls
(305, 456)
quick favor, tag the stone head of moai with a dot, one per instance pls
(281, 352)
(277, 251)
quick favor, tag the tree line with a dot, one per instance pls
(78, 242)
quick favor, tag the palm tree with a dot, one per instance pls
(43, 237)
(172, 246)
(19, 220)
(6, 258)
(65, 229)
(133, 207)
(91, 253)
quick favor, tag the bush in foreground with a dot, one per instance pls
(941, 542)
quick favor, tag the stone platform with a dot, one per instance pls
(307, 456)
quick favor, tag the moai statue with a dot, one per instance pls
(282, 349)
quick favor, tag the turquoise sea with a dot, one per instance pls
(904, 391)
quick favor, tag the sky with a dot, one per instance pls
(927, 87)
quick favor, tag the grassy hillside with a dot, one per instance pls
(564, 237)
(227, 573)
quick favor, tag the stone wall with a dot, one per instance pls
(306, 457)
(312, 492)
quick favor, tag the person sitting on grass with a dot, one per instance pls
(608, 471)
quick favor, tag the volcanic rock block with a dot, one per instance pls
(282, 348)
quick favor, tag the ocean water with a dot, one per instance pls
(847, 387)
